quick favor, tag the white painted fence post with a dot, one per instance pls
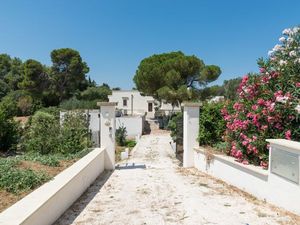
(107, 132)
(190, 132)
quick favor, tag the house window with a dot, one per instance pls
(124, 102)
(150, 107)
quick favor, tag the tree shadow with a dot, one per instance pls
(69, 216)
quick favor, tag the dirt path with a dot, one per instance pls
(150, 188)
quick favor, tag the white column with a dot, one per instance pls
(107, 132)
(190, 132)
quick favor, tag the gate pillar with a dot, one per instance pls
(107, 132)
(190, 131)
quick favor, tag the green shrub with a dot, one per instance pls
(95, 93)
(222, 147)
(20, 103)
(211, 124)
(130, 143)
(54, 111)
(173, 126)
(74, 103)
(43, 134)
(9, 132)
(48, 160)
(74, 133)
(121, 134)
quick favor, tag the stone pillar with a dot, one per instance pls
(190, 131)
(107, 132)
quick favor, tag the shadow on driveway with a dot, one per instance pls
(79, 205)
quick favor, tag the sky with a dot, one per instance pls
(114, 36)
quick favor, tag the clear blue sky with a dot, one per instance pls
(114, 36)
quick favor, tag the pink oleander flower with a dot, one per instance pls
(255, 150)
(245, 143)
(288, 134)
(254, 107)
(264, 164)
(239, 154)
(260, 101)
(298, 84)
(238, 106)
(262, 70)
(278, 94)
(278, 126)
(265, 79)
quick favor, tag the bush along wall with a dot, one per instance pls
(268, 104)
(211, 124)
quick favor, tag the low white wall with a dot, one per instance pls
(46, 204)
(255, 180)
(134, 124)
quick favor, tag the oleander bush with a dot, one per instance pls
(268, 103)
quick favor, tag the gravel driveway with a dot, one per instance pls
(151, 188)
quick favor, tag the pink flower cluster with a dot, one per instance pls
(268, 104)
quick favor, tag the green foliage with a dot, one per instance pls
(130, 143)
(176, 131)
(9, 132)
(74, 103)
(20, 103)
(211, 124)
(96, 93)
(231, 87)
(121, 134)
(48, 160)
(68, 72)
(222, 146)
(35, 78)
(173, 76)
(52, 110)
(43, 134)
(74, 133)
(15, 180)
(4, 89)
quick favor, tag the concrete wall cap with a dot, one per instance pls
(285, 143)
(106, 104)
(191, 104)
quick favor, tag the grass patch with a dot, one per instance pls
(15, 180)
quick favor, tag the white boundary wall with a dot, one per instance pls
(282, 191)
(134, 124)
(47, 203)
(246, 177)
(259, 182)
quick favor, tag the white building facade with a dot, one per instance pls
(133, 103)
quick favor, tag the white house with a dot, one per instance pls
(133, 103)
(217, 99)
